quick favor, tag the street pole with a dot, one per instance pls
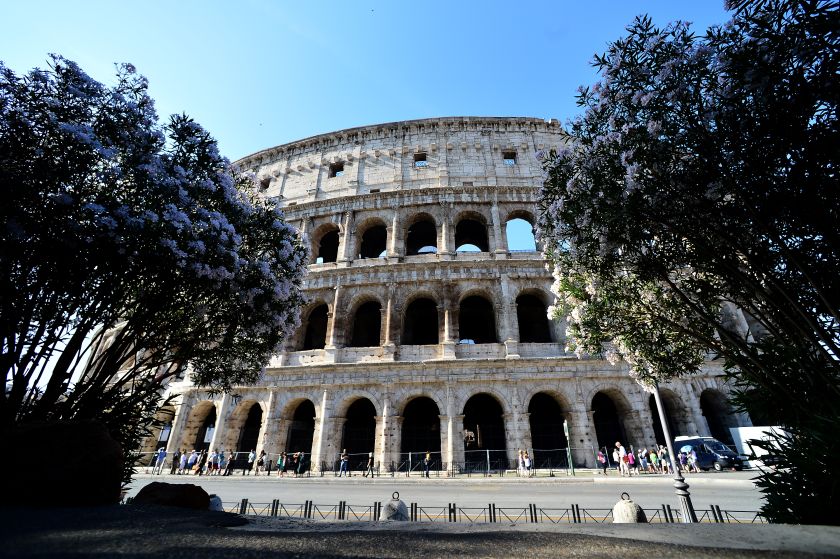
(688, 514)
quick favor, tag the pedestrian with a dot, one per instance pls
(683, 460)
(369, 465)
(182, 465)
(427, 462)
(623, 460)
(631, 462)
(161, 458)
(301, 464)
(692, 460)
(249, 465)
(176, 459)
(211, 462)
(294, 463)
(342, 463)
(602, 461)
(261, 461)
(520, 468)
(202, 460)
(653, 465)
(664, 460)
(528, 472)
(192, 460)
(281, 464)
(616, 460)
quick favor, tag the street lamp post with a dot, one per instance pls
(688, 514)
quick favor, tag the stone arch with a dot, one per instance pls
(612, 417)
(200, 425)
(314, 326)
(300, 413)
(547, 413)
(420, 323)
(520, 232)
(370, 329)
(477, 320)
(420, 429)
(358, 432)
(471, 232)
(243, 426)
(409, 394)
(719, 414)
(421, 234)
(532, 317)
(325, 239)
(676, 414)
(371, 238)
(484, 435)
(159, 431)
(521, 213)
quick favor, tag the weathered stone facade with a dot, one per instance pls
(399, 311)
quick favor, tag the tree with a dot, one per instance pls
(130, 252)
(694, 209)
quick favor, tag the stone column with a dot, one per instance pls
(221, 420)
(182, 410)
(456, 440)
(509, 324)
(346, 243)
(267, 429)
(388, 324)
(334, 436)
(395, 242)
(583, 428)
(331, 347)
(446, 248)
(499, 247)
(448, 342)
(319, 437)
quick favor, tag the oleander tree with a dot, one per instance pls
(693, 210)
(131, 253)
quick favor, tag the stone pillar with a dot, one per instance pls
(456, 451)
(582, 427)
(319, 437)
(448, 342)
(265, 440)
(334, 436)
(447, 239)
(221, 420)
(388, 324)
(499, 247)
(346, 242)
(182, 410)
(331, 347)
(395, 241)
(509, 325)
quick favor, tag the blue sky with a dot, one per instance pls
(258, 73)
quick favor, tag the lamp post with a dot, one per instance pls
(681, 486)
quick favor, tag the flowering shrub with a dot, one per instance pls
(694, 210)
(131, 252)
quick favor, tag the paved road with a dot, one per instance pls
(729, 490)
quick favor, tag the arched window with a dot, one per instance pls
(548, 435)
(421, 238)
(421, 426)
(718, 414)
(359, 433)
(520, 236)
(250, 434)
(477, 321)
(484, 430)
(420, 326)
(471, 236)
(327, 247)
(302, 428)
(373, 243)
(316, 328)
(533, 320)
(609, 422)
(367, 325)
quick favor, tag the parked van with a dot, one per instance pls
(711, 453)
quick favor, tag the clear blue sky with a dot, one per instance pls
(260, 73)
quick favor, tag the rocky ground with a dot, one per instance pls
(140, 532)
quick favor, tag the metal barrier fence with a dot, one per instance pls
(531, 514)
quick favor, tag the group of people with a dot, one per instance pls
(634, 462)
(344, 465)
(223, 463)
(296, 464)
(524, 467)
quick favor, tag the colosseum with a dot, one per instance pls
(426, 327)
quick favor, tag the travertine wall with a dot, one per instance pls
(465, 176)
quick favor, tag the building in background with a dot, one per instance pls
(426, 327)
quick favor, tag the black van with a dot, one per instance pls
(711, 453)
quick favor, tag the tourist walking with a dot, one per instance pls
(191, 462)
(653, 466)
(527, 464)
(249, 464)
(520, 466)
(602, 461)
(281, 464)
(623, 460)
(176, 459)
(161, 458)
(182, 465)
(202, 460)
(301, 464)
(261, 461)
(342, 463)
(369, 470)
(427, 462)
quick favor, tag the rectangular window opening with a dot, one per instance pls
(337, 169)
(420, 160)
(509, 158)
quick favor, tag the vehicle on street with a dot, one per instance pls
(711, 453)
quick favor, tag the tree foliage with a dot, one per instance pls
(130, 251)
(694, 209)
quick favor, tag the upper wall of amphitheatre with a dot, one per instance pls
(452, 152)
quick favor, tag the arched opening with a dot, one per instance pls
(718, 414)
(477, 321)
(367, 325)
(548, 436)
(160, 430)
(609, 427)
(484, 434)
(374, 241)
(301, 428)
(316, 328)
(420, 433)
(531, 314)
(359, 432)
(250, 433)
(205, 431)
(421, 238)
(675, 414)
(327, 247)
(520, 236)
(420, 326)
(471, 236)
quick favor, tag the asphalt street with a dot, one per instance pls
(729, 490)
